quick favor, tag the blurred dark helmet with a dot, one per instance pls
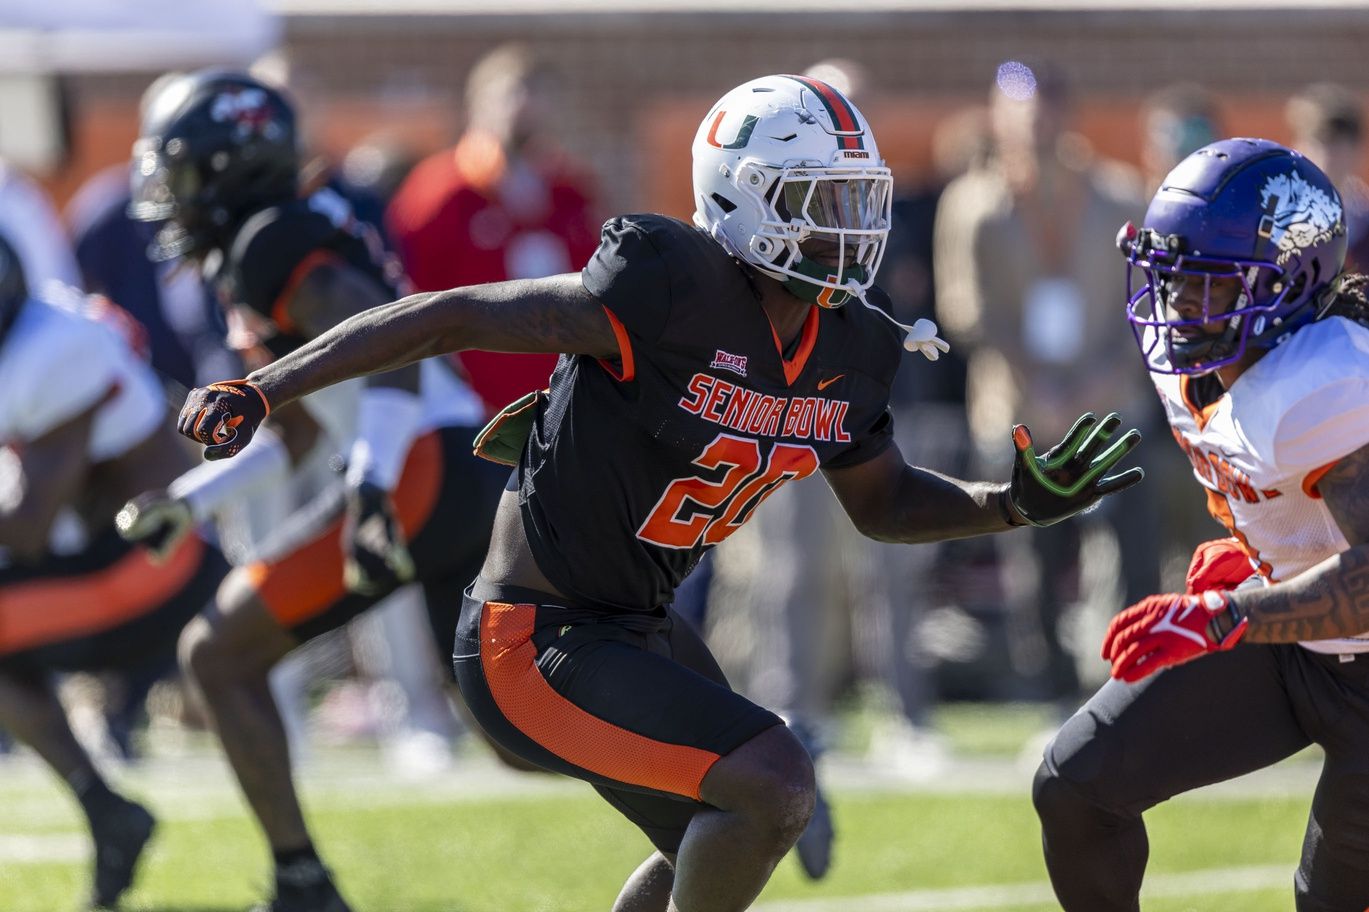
(214, 146)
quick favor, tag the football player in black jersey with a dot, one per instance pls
(218, 160)
(702, 367)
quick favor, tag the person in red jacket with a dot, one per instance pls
(504, 203)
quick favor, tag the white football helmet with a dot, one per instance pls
(787, 162)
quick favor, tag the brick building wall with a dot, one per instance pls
(635, 85)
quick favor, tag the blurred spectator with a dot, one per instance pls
(29, 222)
(371, 174)
(1027, 285)
(1328, 127)
(1175, 121)
(379, 164)
(928, 405)
(505, 203)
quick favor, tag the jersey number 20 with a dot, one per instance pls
(695, 510)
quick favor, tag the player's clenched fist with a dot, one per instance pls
(223, 416)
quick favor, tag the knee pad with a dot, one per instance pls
(1062, 803)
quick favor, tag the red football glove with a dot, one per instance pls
(223, 416)
(1218, 564)
(1164, 630)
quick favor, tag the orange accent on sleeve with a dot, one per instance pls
(509, 660)
(305, 583)
(280, 308)
(43, 611)
(629, 370)
(1309, 484)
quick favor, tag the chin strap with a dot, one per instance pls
(921, 337)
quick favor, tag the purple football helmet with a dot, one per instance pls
(1244, 209)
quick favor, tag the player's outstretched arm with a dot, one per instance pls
(554, 314)
(890, 500)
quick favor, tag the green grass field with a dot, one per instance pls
(482, 840)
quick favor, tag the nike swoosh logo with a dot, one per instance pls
(823, 384)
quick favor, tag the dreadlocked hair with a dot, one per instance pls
(1348, 296)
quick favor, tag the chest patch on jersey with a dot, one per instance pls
(748, 411)
(728, 362)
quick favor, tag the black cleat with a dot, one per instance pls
(304, 886)
(120, 837)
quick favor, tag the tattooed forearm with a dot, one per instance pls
(1330, 600)
(1345, 491)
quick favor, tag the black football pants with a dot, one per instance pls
(1135, 745)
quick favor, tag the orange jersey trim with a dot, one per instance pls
(1201, 416)
(40, 612)
(280, 308)
(629, 368)
(1309, 484)
(509, 660)
(793, 367)
(304, 583)
(1220, 508)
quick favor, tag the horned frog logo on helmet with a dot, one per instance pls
(787, 178)
(1297, 215)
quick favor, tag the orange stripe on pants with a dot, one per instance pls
(39, 612)
(508, 658)
(304, 583)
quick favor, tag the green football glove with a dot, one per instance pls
(1070, 477)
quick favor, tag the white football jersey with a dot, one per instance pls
(56, 363)
(445, 400)
(1260, 449)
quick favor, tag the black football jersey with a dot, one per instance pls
(634, 468)
(274, 248)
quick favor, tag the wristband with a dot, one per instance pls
(1227, 618)
(1005, 507)
(387, 420)
(210, 486)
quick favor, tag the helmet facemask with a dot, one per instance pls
(168, 191)
(824, 230)
(215, 146)
(1157, 274)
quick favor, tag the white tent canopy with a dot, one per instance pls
(75, 36)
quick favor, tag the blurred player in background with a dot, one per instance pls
(1258, 344)
(1024, 264)
(82, 428)
(505, 203)
(703, 367)
(218, 158)
(1176, 121)
(1327, 121)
